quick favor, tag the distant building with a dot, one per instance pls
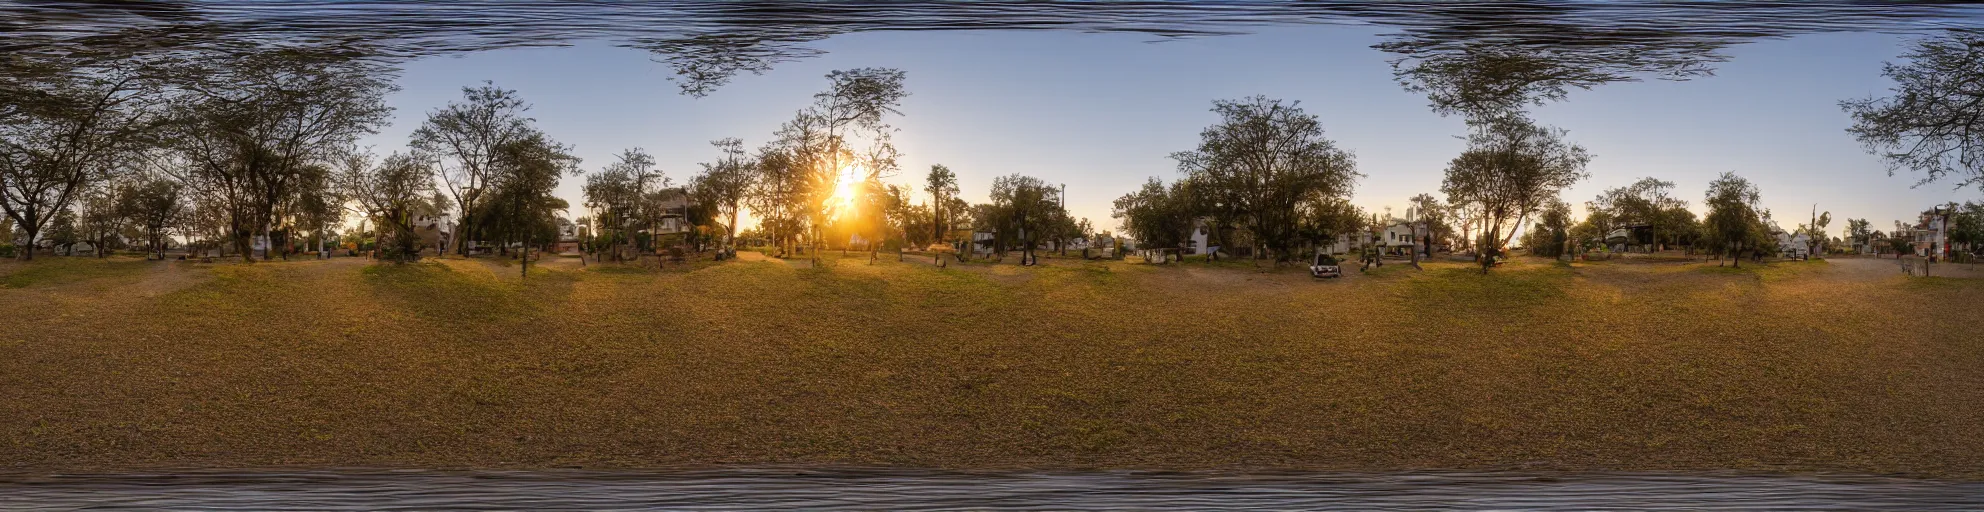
(435, 231)
(1791, 245)
(1397, 238)
(1201, 235)
(1627, 237)
(568, 237)
(1928, 234)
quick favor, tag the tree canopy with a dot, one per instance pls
(1510, 169)
(1260, 163)
(1933, 122)
(1735, 216)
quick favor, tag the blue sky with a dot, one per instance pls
(1101, 112)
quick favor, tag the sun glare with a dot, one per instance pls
(845, 188)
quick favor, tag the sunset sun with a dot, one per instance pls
(846, 187)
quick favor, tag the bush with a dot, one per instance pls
(6, 250)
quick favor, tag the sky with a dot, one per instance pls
(1101, 113)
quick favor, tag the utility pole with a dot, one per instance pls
(1412, 222)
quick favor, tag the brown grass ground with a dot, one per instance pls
(1838, 367)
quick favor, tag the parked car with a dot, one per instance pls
(1325, 266)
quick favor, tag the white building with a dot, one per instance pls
(1790, 245)
(1201, 235)
(1929, 236)
(1397, 237)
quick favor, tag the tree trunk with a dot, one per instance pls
(244, 242)
(1414, 248)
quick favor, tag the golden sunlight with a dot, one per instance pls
(845, 188)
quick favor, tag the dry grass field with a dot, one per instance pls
(1843, 366)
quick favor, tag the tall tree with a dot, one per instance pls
(467, 137)
(622, 196)
(67, 126)
(317, 207)
(63, 233)
(1735, 216)
(1029, 207)
(390, 194)
(1154, 215)
(522, 206)
(99, 220)
(155, 206)
(823, 140)
(1552, 233)
(251, 125)
(723, 184)
(1932, 122)
(1511, 167)
(1261, 162)
(1815, 231)
(942, 184)
(1858, 231)
(613, 198)
(1966, 227)
(778, 197)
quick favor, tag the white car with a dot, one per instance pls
(1325, 266)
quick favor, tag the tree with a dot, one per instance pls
(1735, 216)
(1551, 235)
(468, 138)
(1901, 245)
(1468, 219)
(1260, 163)
(1815, 231)
(1154, 215)
(1027, 208)
(1857, 231)
(527, 172)
(250, 127)
(1428, 209)
(622, 197)
(1647, 202)
(317, 206)
(821, 141)
(1585, 236)
(906, 220)
(1511, 167)
(1966, 228)
(1085, 231)
(778, 197)
(1488, 79)
(68, 126)
(62, 232)
(390, 194)
(1930, 123)
(1324, 219)
(614, 199)
(943, 185)
(155, 206)
(724, 184)
(99, 220)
